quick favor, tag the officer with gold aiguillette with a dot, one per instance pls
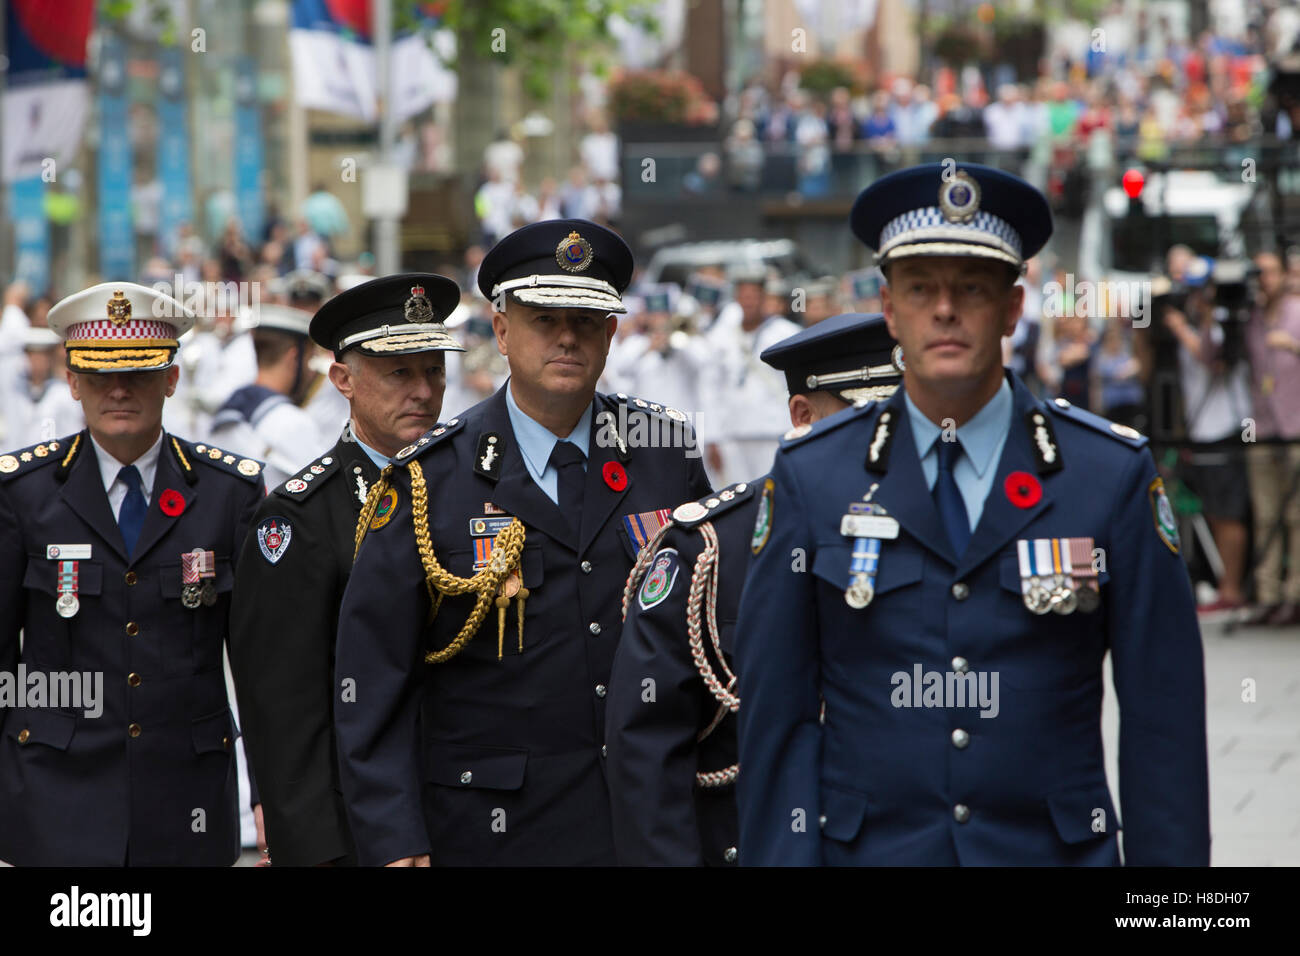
(479, 624)
(120, 546)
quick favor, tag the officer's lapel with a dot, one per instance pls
(156, 522)
(1002, 519)
(599, 497)
(903, 489)
(84, 494)
(515, 491)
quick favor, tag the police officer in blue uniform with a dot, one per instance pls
(389, 341)
(479, 624)
(671, 735)
(119, 559)
(929, 690)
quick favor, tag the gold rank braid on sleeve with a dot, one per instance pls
(507, 548)
(704, 580)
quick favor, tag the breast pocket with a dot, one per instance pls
(47, 635)
(205, 625)
(484, 644)
(475, 767)
(898, 573)
(1048, 651)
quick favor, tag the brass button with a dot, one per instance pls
(132, 629)
(133, 680)
(225, 743)
(133, 730)
(23, 735)
(130, 578)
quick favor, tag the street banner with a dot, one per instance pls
(177, 205)
(31, 233)
(248, 150)
(116, 237)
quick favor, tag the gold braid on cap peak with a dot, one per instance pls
(507, 548)
(118, 358)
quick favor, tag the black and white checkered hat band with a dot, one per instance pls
(929, 224)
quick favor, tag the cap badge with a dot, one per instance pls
(119, 308)
(959, 198)
(574, 253)
(418, 308)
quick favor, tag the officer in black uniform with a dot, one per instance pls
(388, 342)
(480, 621)
(672, 748)
(120, 551)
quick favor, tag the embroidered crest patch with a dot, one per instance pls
(384, 513)
(763, 520)
(273, 536)
(658, 584)
(1162, 513)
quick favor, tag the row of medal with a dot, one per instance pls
(198, 569)
(1056, 574)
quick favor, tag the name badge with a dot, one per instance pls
(67, 552)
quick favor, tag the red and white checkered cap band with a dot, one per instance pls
(103, 330)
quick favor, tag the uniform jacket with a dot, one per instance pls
(899, 785)
(662, 816)
(152, 777)
(292, 571)
(481, 760)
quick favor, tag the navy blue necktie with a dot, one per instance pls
(567, 458)
(948, 499)
(131, 516)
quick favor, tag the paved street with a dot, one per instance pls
(1254, 747)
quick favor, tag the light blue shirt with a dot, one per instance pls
(981, 440)
(381, 461)
(536, 442)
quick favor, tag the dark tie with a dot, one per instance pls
(131, 517)
(567, 459)
(948, 499)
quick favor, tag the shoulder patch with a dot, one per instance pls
(1121, 433)
(310, 478)
(187, 452)
(807, 433)
(658, 583)
(28, 459)
(763, 518)
(694, 513)
(426, 441)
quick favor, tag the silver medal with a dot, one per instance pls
(860, 592)
(67, 605)
(190, 596)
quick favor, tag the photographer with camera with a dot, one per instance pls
(1216, 399)
(1273, 341)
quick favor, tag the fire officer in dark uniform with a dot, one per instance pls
(927, 688)
(671, 740)
(120, 551)
(389, 343)
(480, 621)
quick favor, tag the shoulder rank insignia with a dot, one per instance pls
(427, 441)
(1042, 439)
(694, 513)
(63, 451)
(250, 469)
(1129, 436)
(309, 479)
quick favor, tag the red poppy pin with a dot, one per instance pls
(171, 502)
(615, 476)
(1023, 489)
